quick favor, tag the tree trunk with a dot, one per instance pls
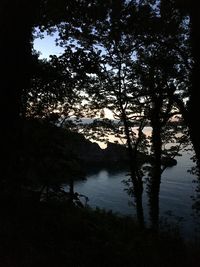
(15, 47)
(154, 186)
(136, 181)
(194, 99)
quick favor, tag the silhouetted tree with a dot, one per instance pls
(17, 20)
(53, 92)
(106, 54)
(191, 9)
(161, 68)
(133, 63)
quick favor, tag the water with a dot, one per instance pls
(106, 190)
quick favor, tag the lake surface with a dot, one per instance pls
(105, 189)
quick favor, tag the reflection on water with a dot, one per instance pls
(106, 190)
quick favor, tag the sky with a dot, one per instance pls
(47, 46)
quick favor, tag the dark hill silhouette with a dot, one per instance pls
(75, 146)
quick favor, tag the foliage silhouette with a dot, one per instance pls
(137, 58)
